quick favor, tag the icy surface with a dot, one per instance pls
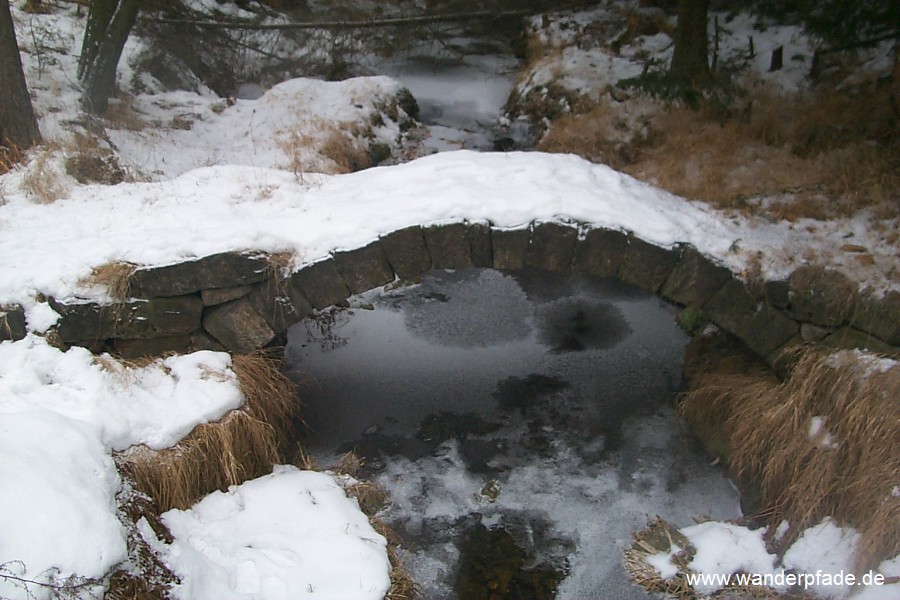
(574, 374)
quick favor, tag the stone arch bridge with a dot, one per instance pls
(241, 302)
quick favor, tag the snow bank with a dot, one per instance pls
(218, 209)
(60, 415)
(292, 534)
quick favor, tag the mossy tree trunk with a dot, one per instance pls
(690, 61)
(18, 124)
(109, 24)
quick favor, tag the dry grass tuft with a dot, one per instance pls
(10, 156)
(402, 585)
(116, 276)
(244, 445)
(43, 178)
(91, 162)
(146, 577)
(345, 151)
(820, 443)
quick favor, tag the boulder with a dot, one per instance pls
(12, 323)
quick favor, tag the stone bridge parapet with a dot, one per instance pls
(240, 302)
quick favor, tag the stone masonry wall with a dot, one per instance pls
(240, 303)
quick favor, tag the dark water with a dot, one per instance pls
(521, 422)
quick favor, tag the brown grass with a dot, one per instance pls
(116, 276)
(345, 151)
(243, 445)
(822, 155)
(10, 156)
(42, 180)
(803, 478)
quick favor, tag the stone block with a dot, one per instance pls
(552, 247)
(646, 265)
(364, 268)
(279, 304)
(225, 270)
(321, 283)
(822, 296)
(158, 317)
(778, 293)
(201, 340)
(850, 338)
(85, 322)
(407, 253)
(879, 316)
(601, 252)
(694, 279)
(238, 326)
(479, 235)
(12, 323)
(763, 328)
(510, 247)
(448, 246)
(213, 296)
(813, 333)
(138, 348)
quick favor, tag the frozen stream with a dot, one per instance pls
(522, 424)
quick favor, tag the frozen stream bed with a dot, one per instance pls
(521, 423)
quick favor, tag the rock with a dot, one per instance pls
(778, 293)
(279, 304)
(813, 333)
(510, 247)
(321, 283)
(879, 317)
(850, 338)
(407, 253)
(226, 270)
(201, 340)
(448, 246)
(136, 319)
(601, 252)
(646, 265)
(694, 279)
(214, 296)
(12, 323)
(822, 296)
(480, 244)
(552, 247)
(763, 328)
(138, 348)
(238, 326)
(364, 268)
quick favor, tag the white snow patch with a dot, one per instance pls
(291, 534)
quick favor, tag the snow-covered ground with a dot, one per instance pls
(224, 186)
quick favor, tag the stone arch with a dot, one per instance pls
(239, 302)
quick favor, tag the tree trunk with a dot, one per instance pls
(690, 62)
(100, 76)
(18, 124)
(100, 13)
